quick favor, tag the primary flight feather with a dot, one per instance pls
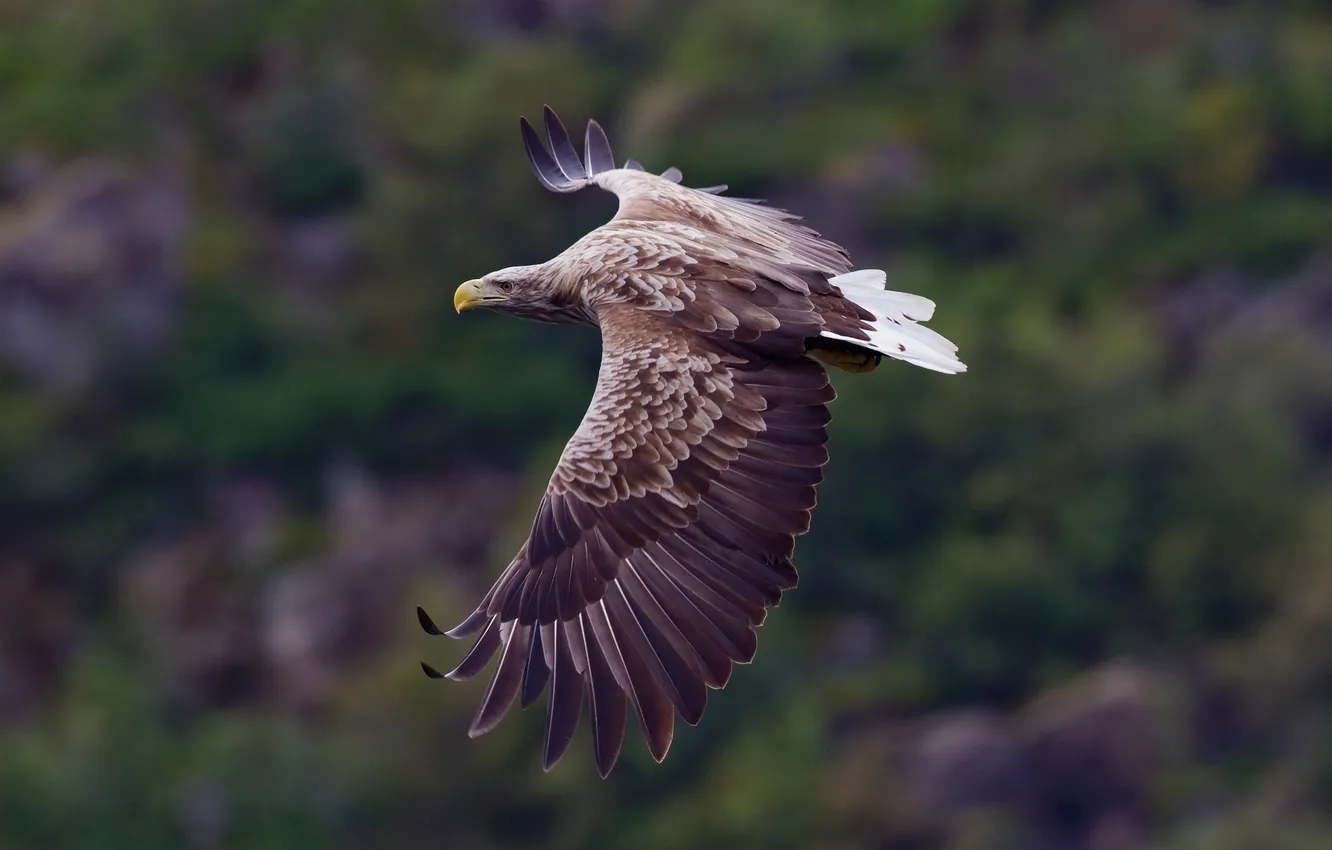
(668, 526)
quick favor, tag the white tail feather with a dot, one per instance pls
(867, 285)
(895, 332)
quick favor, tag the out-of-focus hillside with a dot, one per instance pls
(1080, 597)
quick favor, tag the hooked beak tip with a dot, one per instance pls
(468, 295)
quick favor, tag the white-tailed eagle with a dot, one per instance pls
(668, 527)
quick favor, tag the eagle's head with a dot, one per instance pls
(528, 292)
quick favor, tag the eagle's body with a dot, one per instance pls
(668, 526)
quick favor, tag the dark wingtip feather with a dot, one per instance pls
(547, 169)
(536, 674)
(431, 672)
(565, 704)
(597, 150)
(427, 624)
(609, 705)
(479, 655)
(505, 684)
(470, 626)
(648, 679)
(566, 156)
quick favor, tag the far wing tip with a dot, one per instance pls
(427, 625)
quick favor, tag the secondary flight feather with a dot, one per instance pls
(669, 524)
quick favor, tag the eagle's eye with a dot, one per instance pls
(504, 285)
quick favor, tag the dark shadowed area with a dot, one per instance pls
(1079, 598)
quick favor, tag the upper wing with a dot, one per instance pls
(666, 531)
(759, 234)
(651, 198)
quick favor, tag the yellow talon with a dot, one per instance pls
(848, 361)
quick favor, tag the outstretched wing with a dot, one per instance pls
(667, 528)
(646, 197)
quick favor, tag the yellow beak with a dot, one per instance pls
(468, 295)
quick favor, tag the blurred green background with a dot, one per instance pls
(1080, 597)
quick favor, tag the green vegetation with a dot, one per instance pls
(1111, 540)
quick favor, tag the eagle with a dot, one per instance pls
(669, 524)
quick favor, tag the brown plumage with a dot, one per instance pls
(668, 527)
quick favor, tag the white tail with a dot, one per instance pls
(895, 332)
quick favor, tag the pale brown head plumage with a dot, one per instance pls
(669, 523)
